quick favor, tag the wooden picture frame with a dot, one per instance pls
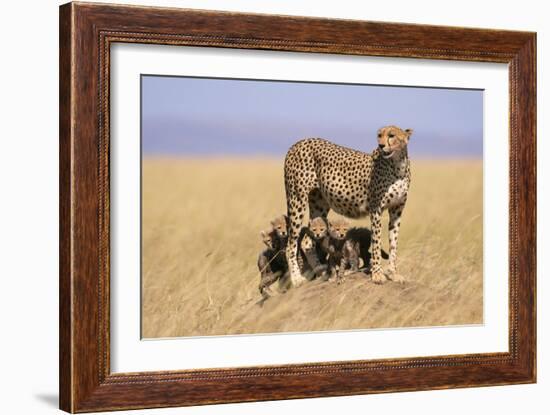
(86, 33)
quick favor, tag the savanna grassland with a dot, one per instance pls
(200, 227)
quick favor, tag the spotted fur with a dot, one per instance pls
(343, 252)
(272, 262)
(320, 175)
(363, 238)
(312, 258)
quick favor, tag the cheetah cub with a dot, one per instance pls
(343, 252)
(312, 258)
(272, 260)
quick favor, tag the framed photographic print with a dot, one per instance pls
(259, 207)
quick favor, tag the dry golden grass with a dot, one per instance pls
(201, 223)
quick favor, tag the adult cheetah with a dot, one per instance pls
(322, 175)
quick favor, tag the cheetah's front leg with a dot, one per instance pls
(308, 248)
(378, 276)
(352, 255)
(267, 279)
(393, 231)
(341, 270)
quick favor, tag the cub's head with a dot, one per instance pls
(338, 228)
(319, 227)
(267, 238)
(392, 140)
(279, 225)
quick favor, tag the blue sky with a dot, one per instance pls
(184, 116)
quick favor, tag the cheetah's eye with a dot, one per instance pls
(391, 135)
(379, 135)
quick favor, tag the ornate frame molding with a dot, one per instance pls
(86, 33)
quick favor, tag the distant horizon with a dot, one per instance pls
(187, 117)
(271, 157)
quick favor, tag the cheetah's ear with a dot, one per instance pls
(409, 132)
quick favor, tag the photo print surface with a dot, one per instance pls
(280, 206)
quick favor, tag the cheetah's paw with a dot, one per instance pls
(297, 281)
(396, 278)
(378, 277)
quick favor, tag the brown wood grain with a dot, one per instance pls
(65, 137)
(86, 33)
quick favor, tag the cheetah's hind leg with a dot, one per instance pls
(267, 280)
(295, 217)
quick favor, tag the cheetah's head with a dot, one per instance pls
(279, 225)
(392, 140)
(338, 228)
(319, 227)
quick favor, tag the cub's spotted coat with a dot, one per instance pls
(272, 262)
(321, 175)
(343, 252)
(312, 256)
